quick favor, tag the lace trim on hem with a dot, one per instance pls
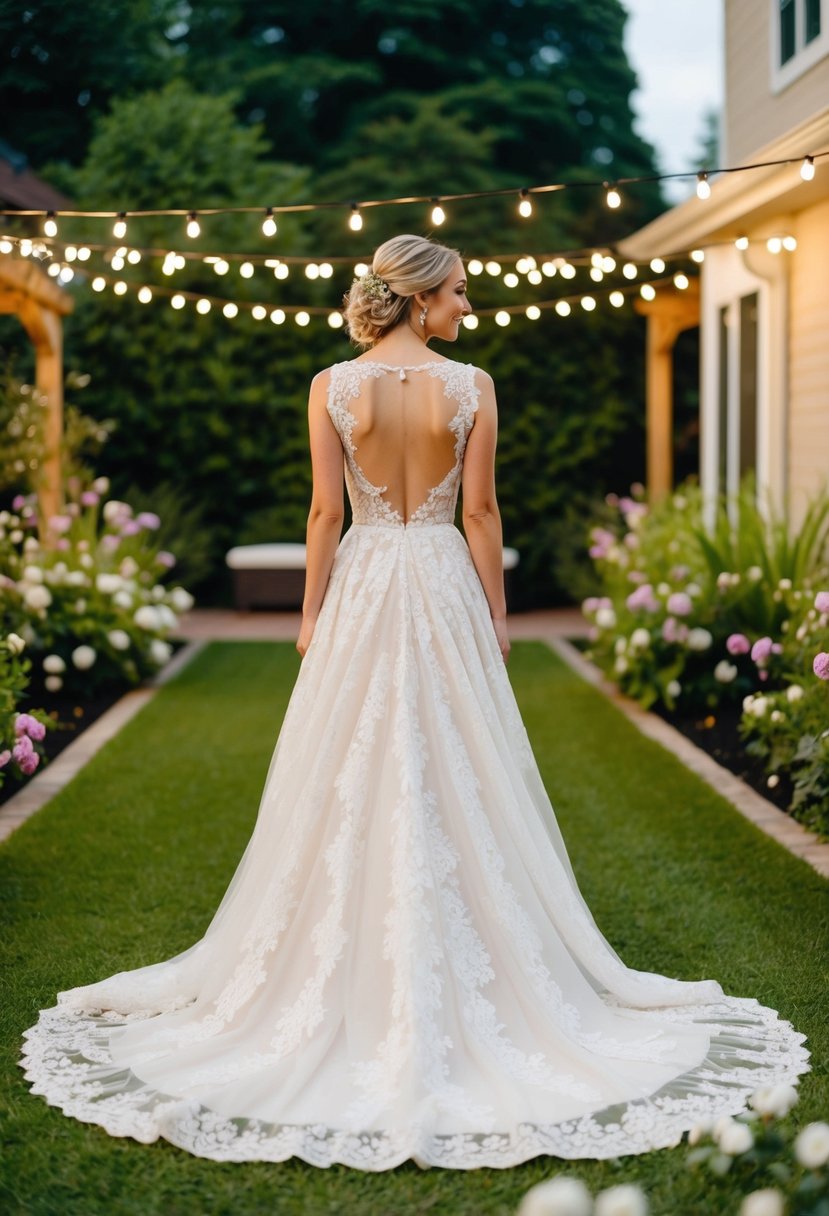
(65, 1057)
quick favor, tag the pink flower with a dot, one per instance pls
(110, 542)
(63, 543)
(602, 542)
(25, 724)
(679, 603)
(644, 598)
(130, 527)
(679, 572)
(163, 558)
(148, 519)
(821, 665)
(612, 500)
(738, 643)
(18, 502)
(60, 523)
(636, 576)
(29, 763)
(23, 748)
(762, 649)
(5, 757)
(822, 601)
(90, 499)
(673, 631)
(590, 604)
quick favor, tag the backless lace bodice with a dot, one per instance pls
(347, 384)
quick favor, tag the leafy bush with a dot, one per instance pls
(20, 733)
(87, 601)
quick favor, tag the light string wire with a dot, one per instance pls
(609, 185)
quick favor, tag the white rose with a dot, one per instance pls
(736, 1139)
(160, 651)
(794, 692)
(33, 574)
(147, 617)
(558, 1197)
(108, 584)
(168, 618)
(640, 638)
(725, 672)
(775, 1100)
(620, 665)
(620, 645)
(76, 578)
(699, 639)
(772, 781)
(83, 657)
(812, 1146)
(759, 705)
(674, 688)
(768, 1202)
(119, 639)
(624, 1200)
(605, 618)
(15, 536)
(122, 599)
(114, 508)
(53, 683)
(37, 596)
(182, 600)
(54, 664)
(30, 544)
(777, 715)
(15, 643)
(158, 592)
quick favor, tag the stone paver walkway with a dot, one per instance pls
(553, 626)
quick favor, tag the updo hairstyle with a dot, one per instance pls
(402, 267)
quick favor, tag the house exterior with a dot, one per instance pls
(764, 282)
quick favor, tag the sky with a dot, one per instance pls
(675, 48)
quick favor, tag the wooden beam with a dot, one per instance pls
(26, 276)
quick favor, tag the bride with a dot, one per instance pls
(403, 965)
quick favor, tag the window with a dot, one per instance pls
(799, 38)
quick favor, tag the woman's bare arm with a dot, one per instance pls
(481, 518)
(325, 517)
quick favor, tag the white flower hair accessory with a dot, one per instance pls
(374, 287)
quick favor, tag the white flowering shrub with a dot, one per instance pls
(87, 598)
(788, 1172)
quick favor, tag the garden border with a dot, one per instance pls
(753, 806)
(63, 768)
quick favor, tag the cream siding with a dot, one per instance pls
(754, 114)
(808, 438)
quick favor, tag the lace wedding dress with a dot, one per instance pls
(403, 965)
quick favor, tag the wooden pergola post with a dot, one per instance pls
(40, 304)
(670, 313)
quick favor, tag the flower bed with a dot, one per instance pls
(698, 620)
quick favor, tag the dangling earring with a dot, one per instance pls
(423, 312)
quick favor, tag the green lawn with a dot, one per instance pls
(126, 866)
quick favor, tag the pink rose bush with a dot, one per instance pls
(85, 589)
(20, 733)
(694, 617)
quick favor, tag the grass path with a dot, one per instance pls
(127, 864)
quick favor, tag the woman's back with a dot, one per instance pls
(404, 431)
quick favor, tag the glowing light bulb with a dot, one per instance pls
(50, 224)
(98, 283)
(525, 207)
(259, 312)
(703, 187)
(807, 169)
(193, 226)
(535, 277)
(657, 265)
(134, 257)
(741, 242)
(119, 228)
(312, 271)
(630, 270)
(588, 303)
(178, 302)
(221, 266)
(493, 268)
(511, 280)
(613, 198)
(502, 318)
(230, 310)
(608, 264)
(67, 274)
(203, 307)
(246, 270)
(120, 288)
(269, 223)
(281, 271)
(774, 244)
(335, 320)
(25, 247)
(278, 316)
(647, 292)
(145, 295)
(6, 246)
(789, 243)
(617, 299)
(70, 253)
(475, 266)
(326, 270)
(596, 274)
(567, 271)
(355, 220)
(681, 281)
(533, 312)
(360, 269)
(117, 262)
(549, 269)
(522, 265)
(84, 254)
(438, 214)
(470, 322)
(302, 318)
(563, 308)
(698, 256)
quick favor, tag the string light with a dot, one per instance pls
(535, 277)
(98, 284)
(647, 292)
(596, 274)
(312, 271)
(203, 307)
(657, 265)
(588, 303)
(703, 187)
(681, 280)
(302, 318)
(355, 220)
(230, 310)
(567, 271)
(119, 228)
(66, 274)
(178, 302)
(335, 320)
(549, 269)
(502, 318)
(133, 256)
(807, 169)
(533, 312)
(259, 312)
(741, 242)
(6, 246)
(120, 288)
(84, 254)
(470, 321)
(438, 214)
(789, 243)
(774, 244)
(246, 270)
(613, 198)
(475, 266)
(493, 268)
(563, 308)
(617, 299)
(269, 223)
(698, 256)
(525, 207)
(511, 280)
(278, 316)
(50, 224)
(360, 269)
(629, 270)
(145, 295)
(193, 226)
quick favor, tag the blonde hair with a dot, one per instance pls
(407, 265)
